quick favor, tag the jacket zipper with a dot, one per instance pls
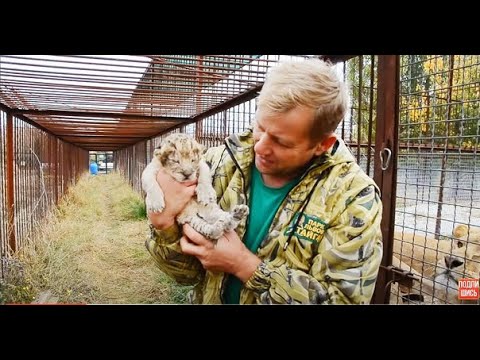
(225, 277)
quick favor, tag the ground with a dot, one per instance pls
(91, 250)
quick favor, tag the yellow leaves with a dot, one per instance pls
(424, 127)
(428, 66)
(434, 65)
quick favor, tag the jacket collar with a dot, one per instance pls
(241, 147)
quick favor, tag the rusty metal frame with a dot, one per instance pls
(386, 179)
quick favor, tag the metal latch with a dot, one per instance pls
(400, 276)
(385, 163)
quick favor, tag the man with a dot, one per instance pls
(313, 233)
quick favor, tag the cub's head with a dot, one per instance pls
(467, 244)
(180, 156)
(467, 234)
(464, 258)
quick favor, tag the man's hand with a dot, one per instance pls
(177, 194)
(228, 255)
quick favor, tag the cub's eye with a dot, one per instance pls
(193, 160)
(174, 161)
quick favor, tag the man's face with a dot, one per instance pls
(282, 142)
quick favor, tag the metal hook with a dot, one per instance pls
(385, 163)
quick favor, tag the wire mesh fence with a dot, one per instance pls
(36, 169)
(438, 186)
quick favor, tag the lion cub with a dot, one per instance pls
(180, 157)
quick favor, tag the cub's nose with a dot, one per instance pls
(188, 174)
(452, 262)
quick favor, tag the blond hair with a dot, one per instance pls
(312, 83)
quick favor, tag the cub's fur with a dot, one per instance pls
(180, 157)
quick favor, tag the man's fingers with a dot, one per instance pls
(194, 236)
(188, 248)
(191, 190)
(190, 182)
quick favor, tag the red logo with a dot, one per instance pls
(468, 289)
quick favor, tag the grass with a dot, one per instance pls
(13, 287)
(91, 250)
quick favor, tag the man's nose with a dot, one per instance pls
(262, 147)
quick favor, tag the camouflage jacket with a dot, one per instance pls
(324, 244)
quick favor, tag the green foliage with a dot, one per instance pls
(133, 208)
(178, 293)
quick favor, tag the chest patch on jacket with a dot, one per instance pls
(310, 228)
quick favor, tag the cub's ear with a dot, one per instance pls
(157, 152)
(170, 140)
(460, 231)
(197, 147)
(167, 141)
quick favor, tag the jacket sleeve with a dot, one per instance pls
(345, 269)
(164, 246)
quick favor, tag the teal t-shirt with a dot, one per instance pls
(264, 203)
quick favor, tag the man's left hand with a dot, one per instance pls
(228, 255)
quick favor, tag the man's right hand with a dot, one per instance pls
(177, 194)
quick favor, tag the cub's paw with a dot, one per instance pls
(155, 206)
(240, 211)
(215, 232)
(206, 194)
(228, 223)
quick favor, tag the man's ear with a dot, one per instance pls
(325, 144)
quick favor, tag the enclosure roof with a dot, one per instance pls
(110, 102)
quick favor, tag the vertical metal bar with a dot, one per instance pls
(359, 113)
(3, 214)
(198, 98)
(387, 138)
(10, 185)
(146, 153)
(49, 162)
(370, 112)
(344, 77)
(61, 168)
(438, 224)
(224, 126)
(55, 161)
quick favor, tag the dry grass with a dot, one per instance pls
(92, 249)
